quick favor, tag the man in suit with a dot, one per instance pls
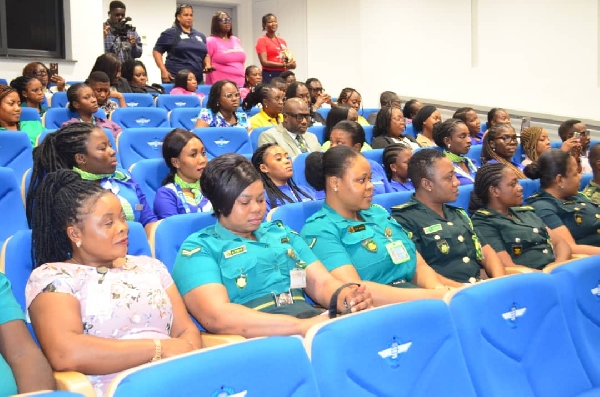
(292, 134)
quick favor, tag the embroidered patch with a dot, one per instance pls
(191, 252)
(432, 229)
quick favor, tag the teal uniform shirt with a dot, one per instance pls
(338, 241)
(448, 244)
(577, 213)
(523, 236)
(248, 269)
(9, 311)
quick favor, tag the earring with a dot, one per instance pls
(335, 189)
(561, 186)
(448, 146)
(494, 149)
(78, 244)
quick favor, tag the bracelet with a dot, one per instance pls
(157, 350)
(333, 302)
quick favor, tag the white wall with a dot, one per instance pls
(536, 56)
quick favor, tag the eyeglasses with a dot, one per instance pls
(509, 138)
(230, 95)
(318, 89)
(583, 133)
(40, 73)
(225, 20)
(299, 116)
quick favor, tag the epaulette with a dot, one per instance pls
(378, 206)
(404, 206)
(524, 208)
(483, 212)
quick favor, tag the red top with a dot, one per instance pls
(273, 47)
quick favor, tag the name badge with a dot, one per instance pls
(297, 278)
(397, 252)
(234, 252)
(432, 229)
(98, 300)
(139, 207)
(354, 229)
(184, 36)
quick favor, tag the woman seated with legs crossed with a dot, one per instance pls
(443, 234)
(95, 309)
(242, 276)
(514, 231)
(360, 242)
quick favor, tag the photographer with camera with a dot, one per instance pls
(120, 37)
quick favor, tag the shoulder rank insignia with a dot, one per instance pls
(312, 243)
(525, 208)
(403, 206)
(378, 206)
(279, 224)
(484, 212)
(191, 252)
(295, 232)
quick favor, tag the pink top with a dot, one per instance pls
(274, 47)
(183, 91)
(137, 307)
(227, 57)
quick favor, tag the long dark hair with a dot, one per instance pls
(173, 143)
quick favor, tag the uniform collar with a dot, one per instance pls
(426, 208)
(225, 234)
(337, 218)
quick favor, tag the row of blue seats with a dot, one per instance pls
(168, 102)
(495, 338)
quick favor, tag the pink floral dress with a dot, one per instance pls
(129, 302)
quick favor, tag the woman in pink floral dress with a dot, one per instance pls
(95, 309)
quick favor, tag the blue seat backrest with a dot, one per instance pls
(171, 232)
(3, 81)
(578, 285)
(135, 144)
(255, 110)
(16, 152)
(368, 133)
(204, 89)
(184, 118)
(30, 114)
(389, 200)
(410, 131)
(374, 154)
(529, 187)
(365, 112)
(140, 117)
(319, 131)
(298, 166)
(519, 155)
(170, 102)
(585, 180)
(17, 256)
(109, 135)
(556, 144)
(464, 196)
(295, 215)
(168, 87)
(255, 134)
(220, 372)
(220, 140)
(412, 349)
(323, 112)
(59, 99)
(11, 204)
(516, 343)
(149, 175)
(139, 100)
(55, 117)
(475, 154)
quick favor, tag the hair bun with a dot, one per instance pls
(532, 171)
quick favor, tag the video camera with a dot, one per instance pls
(122, 27)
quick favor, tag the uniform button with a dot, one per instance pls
(598, 231)
(517, 240)
(535, 230)
(582, 204)
(576, 208)
(461, 238)
(276, 267)
(597, 216)
(436, 237)
(545, 251)
(466, 259)
(450, 224)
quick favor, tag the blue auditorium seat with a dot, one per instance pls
(3, 81)
(516, 340)
(294, 215)
(529, 187)
(219, 371)
(389, 200)
(140, 117)
(16, 152)
(219, 140)
(55, 117)
(475, 154)
(184, 118)
(410, 131)
(11, 205)
(319, 131)
(204, 89)
(168, 87)
(323, 112)
(464, 196)
(375, 155)
(578, 285)
(149, 175)
(298, 166)
(255, 134)
(407, 349)
(59, 99)
(139, 100)
(108, 133)
(30, 114)
(368, 133)
(135, 144)
(366, 112)
(170, 102)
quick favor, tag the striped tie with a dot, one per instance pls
(301, 143)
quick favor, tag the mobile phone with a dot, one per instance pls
(52, 71)
(525, 123)
(243, 118)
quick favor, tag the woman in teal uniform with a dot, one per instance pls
(245, 277)
(571, 215)
(443, 234)
(360, 242)
(23, 367)
(514, 231)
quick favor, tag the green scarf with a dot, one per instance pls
(195, 186)
(455, 158)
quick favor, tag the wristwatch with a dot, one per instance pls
(157, 350)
